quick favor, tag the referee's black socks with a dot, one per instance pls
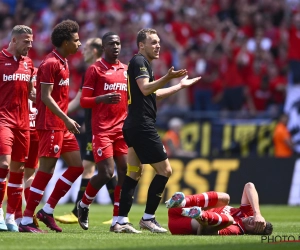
(127, 195)
(155, 191)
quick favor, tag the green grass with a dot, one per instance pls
(286, 221)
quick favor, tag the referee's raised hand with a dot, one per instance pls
(175, 74)
(185, 82)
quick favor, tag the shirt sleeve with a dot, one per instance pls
(230, 230)
(140, 70)
(86, 99)
(90, 78)
(47, 73)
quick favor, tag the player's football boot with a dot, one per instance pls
(67, 218)
(48, 220)
(152, 225)
(125, 228)
(30, 228)
(11, 225)
(83, 216)
(192, 212)
(176, 200)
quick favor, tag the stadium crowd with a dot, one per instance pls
(242, 49)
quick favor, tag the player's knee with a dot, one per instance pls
(134, 172)
(167, 172)
(4, 164)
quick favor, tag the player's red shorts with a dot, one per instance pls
(33, 160)
(14, 142)
(108, 145)
(177, 223)
(53, 143)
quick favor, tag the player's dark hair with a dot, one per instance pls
(142, 35)
(63, 32)
(268, 229)
(107, 35)
(96, 43)
(21, 29)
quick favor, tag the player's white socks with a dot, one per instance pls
(122, 220)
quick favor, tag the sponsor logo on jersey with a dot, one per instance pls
(64, 82)
(164, 149)
(56, 149)
(16, 77)
(115, 86)
(143, 69)
(7, 64)
(25, 65)
(99, 151)
(125, 74)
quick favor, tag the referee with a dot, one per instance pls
(144, 143)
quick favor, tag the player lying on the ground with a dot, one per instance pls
(209, 214)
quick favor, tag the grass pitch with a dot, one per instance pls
(286, 222)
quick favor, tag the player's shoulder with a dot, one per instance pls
(123, 66)
(50, 60)
(96, 66)
(137, 59)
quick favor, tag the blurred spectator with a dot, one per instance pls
(221, 39)
(283, 144)
(172, 141)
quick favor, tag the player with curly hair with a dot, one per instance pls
(56, 130)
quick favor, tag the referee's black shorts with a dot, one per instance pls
(88, 153)
(146, 143)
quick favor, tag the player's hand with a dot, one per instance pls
(185, 82)
(72, 126)
(175, 74)
(111, 98)
(260, 223)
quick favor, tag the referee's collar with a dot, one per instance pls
(114, 66)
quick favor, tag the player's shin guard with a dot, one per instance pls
(214, 219)
(155, 191)
(14, 191)
(63, 184)
(3, 174)
(36, 192)
(127, 195)
(207, 199)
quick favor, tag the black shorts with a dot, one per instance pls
(88, 152)
(146, 142)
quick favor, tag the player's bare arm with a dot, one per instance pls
(46, 90)
(184, 83)
(75, 103)
(31, 92)
(148, 88)
(250, 196)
